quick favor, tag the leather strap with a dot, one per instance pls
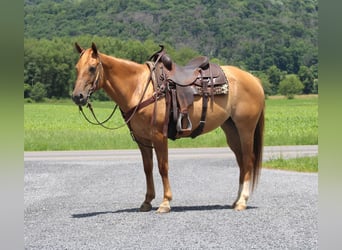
(167, 112)
(201, 125)
(128, 114)
(174, 105)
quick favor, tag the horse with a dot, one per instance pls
(239, 113)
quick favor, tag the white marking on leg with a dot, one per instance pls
(243, 194)
(245, 190)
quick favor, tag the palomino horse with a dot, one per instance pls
(240, 113)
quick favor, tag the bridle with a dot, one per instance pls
(97, 78)
(132, 112)
(128, 116)
(92, 89)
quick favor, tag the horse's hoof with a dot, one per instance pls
(164, 209)
(239, 207)
(145, 207)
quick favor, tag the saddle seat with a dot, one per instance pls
(185, 75)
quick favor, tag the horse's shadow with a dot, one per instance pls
(176, 209)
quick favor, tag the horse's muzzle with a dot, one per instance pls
(80, 99)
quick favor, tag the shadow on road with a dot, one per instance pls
(176, 209)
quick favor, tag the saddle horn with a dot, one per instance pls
(155, 56)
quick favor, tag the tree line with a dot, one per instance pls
(273, 39)
(247, 33)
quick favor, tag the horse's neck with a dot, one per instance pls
(124, 80)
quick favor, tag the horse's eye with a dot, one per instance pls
(92, 69)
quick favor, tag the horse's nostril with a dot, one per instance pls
(79, 99)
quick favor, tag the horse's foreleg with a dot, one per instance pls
(161, 149)
(147, 156)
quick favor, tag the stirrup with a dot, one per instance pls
(179, 123)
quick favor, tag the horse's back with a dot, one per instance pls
(240, 80)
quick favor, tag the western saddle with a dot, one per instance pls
(180, 84)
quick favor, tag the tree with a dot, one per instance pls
(290, 86)
(27, 90)
(315, 87)
(264, 81)
(100, 95)
(38, 92)
(275, 75)
(306, 77)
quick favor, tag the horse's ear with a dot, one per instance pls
(93, 46)
(78, 48)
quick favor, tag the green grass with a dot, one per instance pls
(59, 126)
(291, 122)
(301, 164)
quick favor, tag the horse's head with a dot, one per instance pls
(89, 70)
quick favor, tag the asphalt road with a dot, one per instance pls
(90, 199)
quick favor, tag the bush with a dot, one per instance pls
(290, 86)
(38, 92)
(100, 95)
(275, 75)
(27, 90)
(315, 87)
(307, 78)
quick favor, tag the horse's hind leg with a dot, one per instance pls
(147, 156)
(243, 150)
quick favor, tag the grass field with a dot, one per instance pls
(292, 122)
(59, 126)
(300, 164)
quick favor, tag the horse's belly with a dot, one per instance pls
(216, 114)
